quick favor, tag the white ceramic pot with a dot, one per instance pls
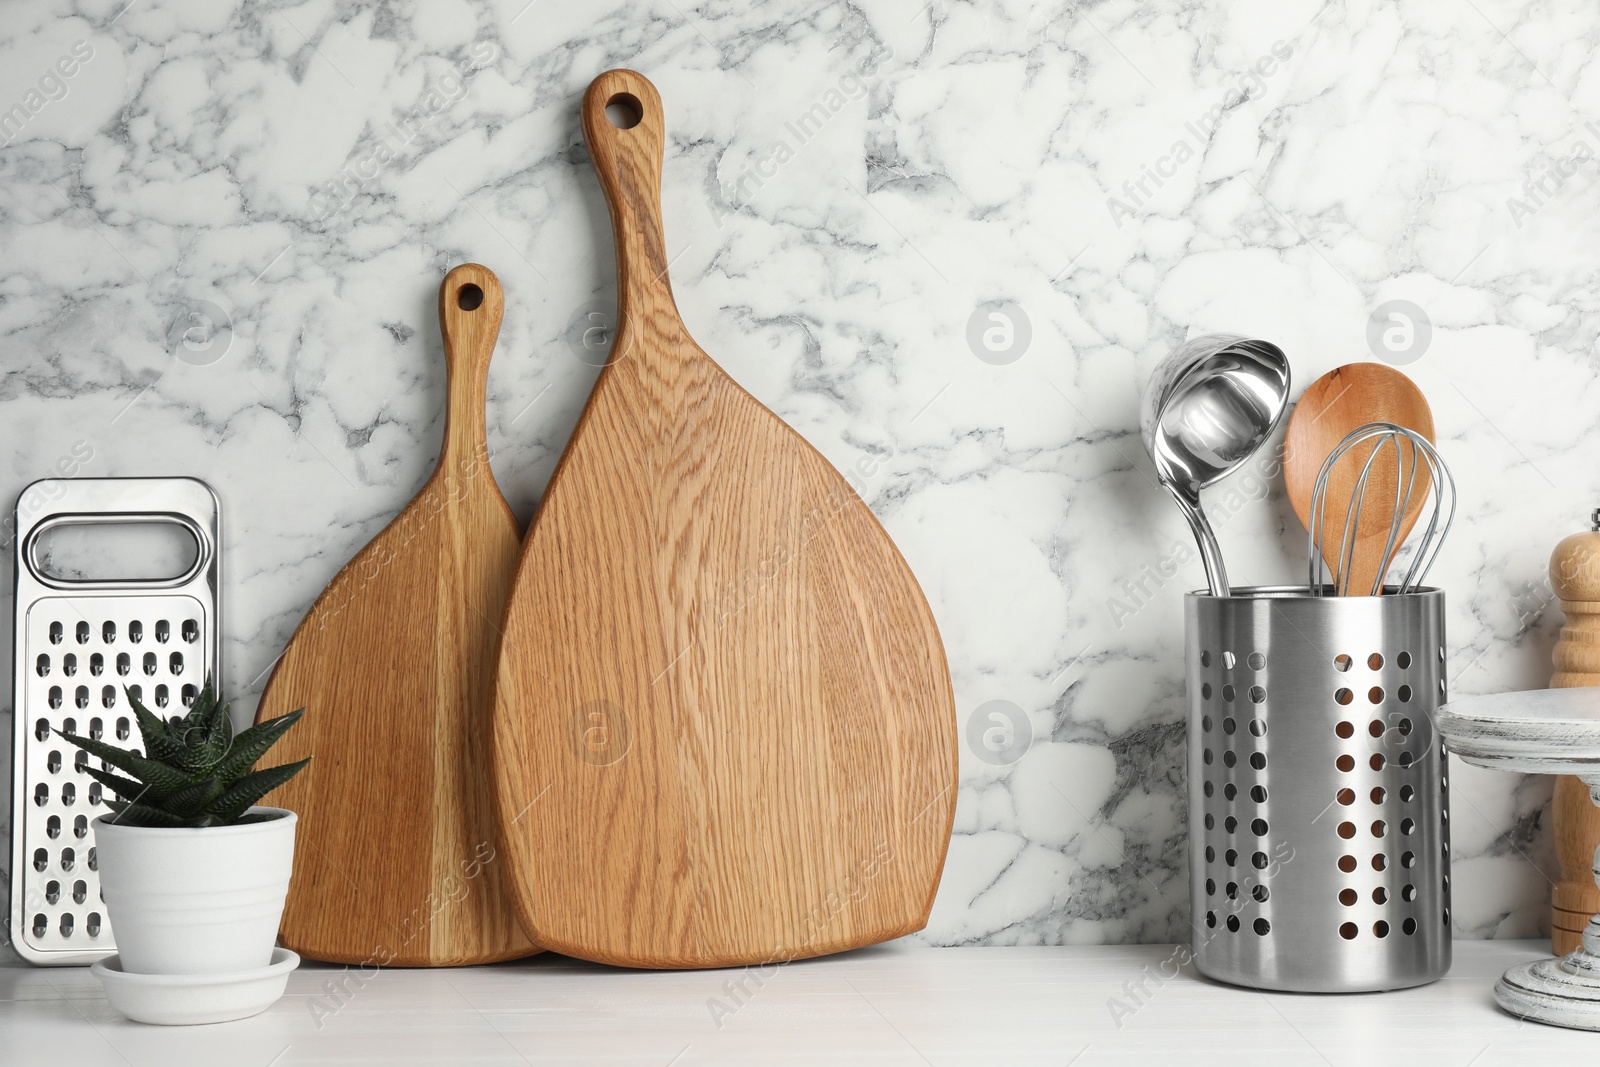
(195, 901)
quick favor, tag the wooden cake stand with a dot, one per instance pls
(1546, 731)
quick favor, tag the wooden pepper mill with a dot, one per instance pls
(1575, 578)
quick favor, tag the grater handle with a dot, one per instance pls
(53, 502)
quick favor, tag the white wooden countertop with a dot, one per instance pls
(895, 1004)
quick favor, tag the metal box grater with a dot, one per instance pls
(1318, 789)
(77, 644)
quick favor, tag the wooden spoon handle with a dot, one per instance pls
(628, 160)
(471, 305)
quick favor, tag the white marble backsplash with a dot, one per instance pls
(946, 242)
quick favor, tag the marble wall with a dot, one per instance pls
(946, 241)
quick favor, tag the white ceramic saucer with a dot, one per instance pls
(185, 999)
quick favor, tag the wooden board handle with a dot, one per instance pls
(471, 305)
(1575, 579)
(626, 147)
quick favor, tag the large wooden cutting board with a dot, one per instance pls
(395, 855)
(724, 730)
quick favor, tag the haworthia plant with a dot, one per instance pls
(193, 771)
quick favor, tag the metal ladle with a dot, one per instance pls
(1209, 406)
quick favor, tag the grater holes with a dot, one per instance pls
(136, 693)
(1345, 730)
(191, 631)
(52, 827)
(1257, 661)
(40, 925)
(93, 859)
(1404, 726)
(80, 760)
(41, 666)
(1233, 891)
(41, 860)
(1258, 793)
(1345, 763)
(52, 892)
(80, 891)
(52, 762)
(1380, 895)
(108, 696)
(124, 663)
(1211, 919)
(1258, 827)
(1375, 728)
(80, 696)
(1403, 694)
(57, 633)
(1406, 759)
(94, 793)
(175, 663)
(1211, 854)
(189, 695)
(1348, 897)
(1380, 929)
(1258, 695)
(1205, 690)
(1206, 757)
(1230, 791)
(1210, 821)
(136, 631)
(1379, 828)
(1403, 660)
(1348, 931)
(1205, 659)
(1375, 694)
(1342, 662)
(41, 729)
(1211, 887)
(1409, 926)
(108, 633)
(1233, 924)
(1347, 864)
(1260, 893)
(69, 664)
(69, 725)
(55, 696)
(1346, 796)
(1258, 727)
(96, 728)
(41, 794)
(81, 632)
(161, 696)
(1376, 762)
(1205, 723)
(1343, 696)
(1230, 824)
(1258, 761)
(1229, 758)
(80, 827)
(163, 631)
(1375, 662)
(97, 665)
(91, 925)
(1259, 861)
(1208, 789)
(150, 663)
(68, 859)
(1380, 862)
(1347, 830)
(1408, 860)
(1228, 725)
(1228, 661)
(1406, 793)
(1408, 826)
(1232, 857)
(69, 793)
(123, 729)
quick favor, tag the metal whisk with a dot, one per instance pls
(1441, 488)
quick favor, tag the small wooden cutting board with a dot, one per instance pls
(724, 731)
(395, 860)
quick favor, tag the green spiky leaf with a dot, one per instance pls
(253, 744)
(160, 777)
(153, 730)
(194, 799)
(143, 815)
(251, 788)
(126, 788)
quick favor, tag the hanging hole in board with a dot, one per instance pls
(469, 297)
(624, 111)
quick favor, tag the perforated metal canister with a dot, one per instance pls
(1318, 789)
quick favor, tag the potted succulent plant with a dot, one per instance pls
(194, 875)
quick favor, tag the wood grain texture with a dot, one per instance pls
(724, 729)
(1575, 579)
(395, 859)
(1338, 402)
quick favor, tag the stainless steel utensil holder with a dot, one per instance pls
(1319, 843)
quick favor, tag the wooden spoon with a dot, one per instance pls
(1336, 403)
